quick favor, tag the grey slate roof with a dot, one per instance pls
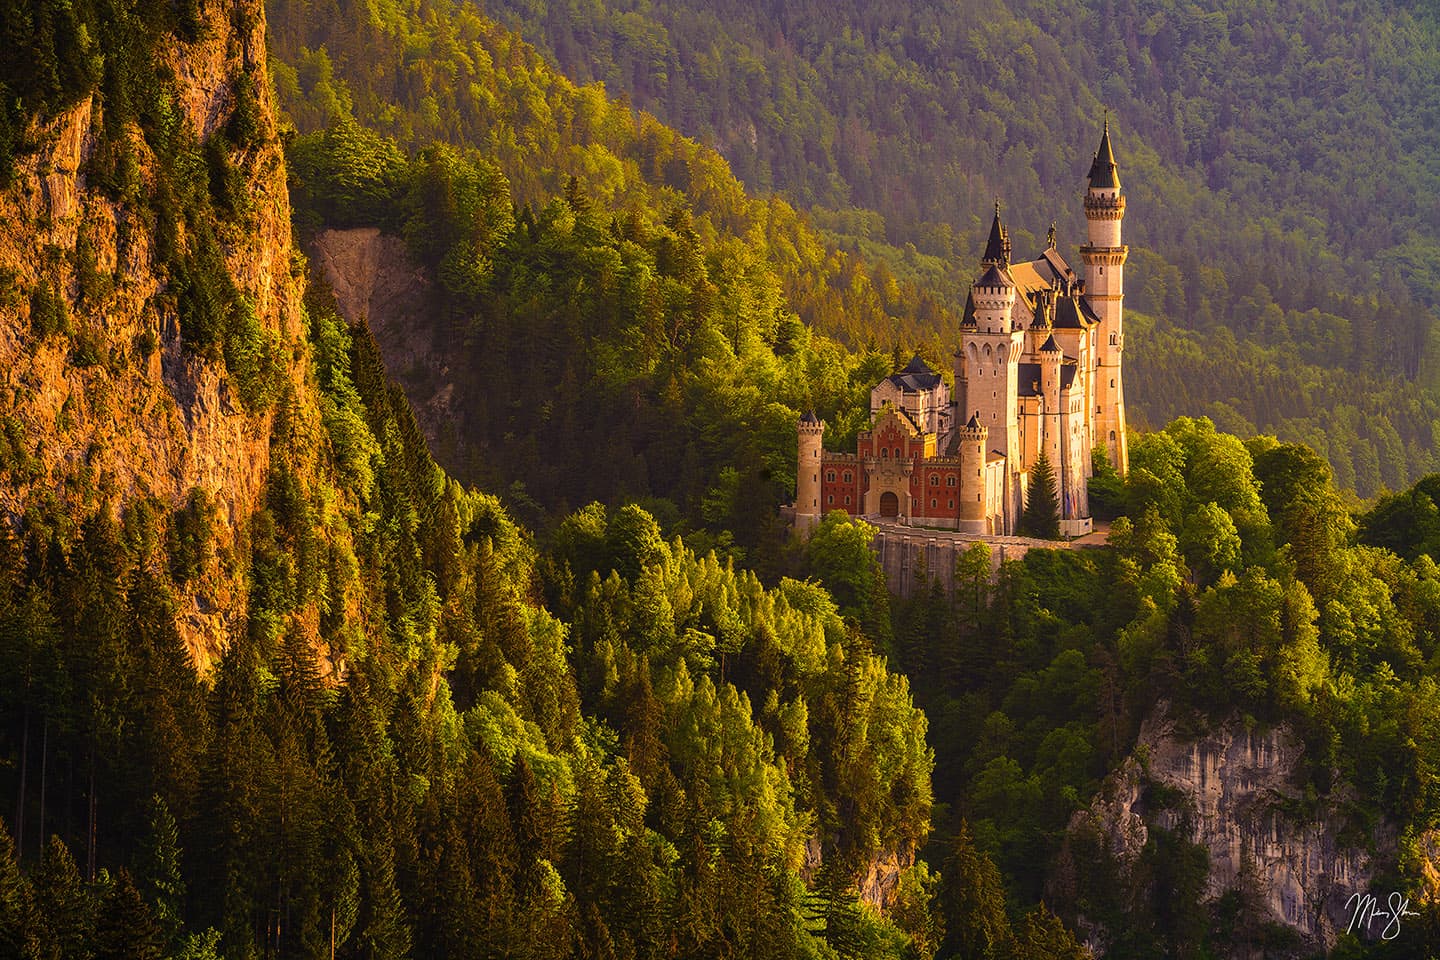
(994, 277)
(1029, 377)
(917, 377)
(1073, 313)
(1103, 172)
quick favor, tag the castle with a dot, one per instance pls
(1037, 374)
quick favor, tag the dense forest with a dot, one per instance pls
(426, 735)
(1282, 179)
(1237, 585)
(644, 721)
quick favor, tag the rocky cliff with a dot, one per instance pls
(1293, 861)
(91, 314)
(376, 282)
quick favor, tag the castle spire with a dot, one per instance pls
(1103, 172)
(997, 248)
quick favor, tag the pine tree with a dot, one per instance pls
(19, 922)
(158, 872)
(67, 908)
(125, 928)
(972, 899)
(1042, 506)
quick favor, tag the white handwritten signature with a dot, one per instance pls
(1367, 909)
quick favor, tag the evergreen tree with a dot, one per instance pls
(19, 922)
(161, 883)
(972, 901)
(1042, 506)
(125, 928)
(67, 907)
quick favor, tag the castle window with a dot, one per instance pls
(1112, 383)
(847, 476)
(829, 476)
(885, 451)
(949, 481)
(829, 499)
(847, 501)
(933, 502)
(934, 480)
(952, 504)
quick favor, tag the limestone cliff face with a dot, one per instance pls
(1233, 791)
(377, 283)
(117, 409)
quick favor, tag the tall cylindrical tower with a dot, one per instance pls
(1104, 258)
(992, 387)
(1050, 358)
(811, 430)
(973, 507)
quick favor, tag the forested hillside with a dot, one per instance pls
(629, 321)
(400, 728)
(1236, 592)
(1282, 177)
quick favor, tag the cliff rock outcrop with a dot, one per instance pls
(102, 401)
(1295, 860)
(376, 282)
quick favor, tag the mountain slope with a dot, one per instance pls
(1282, 181)
(412, 732)
(134, 296)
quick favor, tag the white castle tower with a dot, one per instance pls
(992, 347)
(1104, 258)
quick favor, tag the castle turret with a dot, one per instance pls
(973, 505)
(997, 246)
(994, 296)
(811, 430)
(1051, 357)
(1104, 257)
(992, 349)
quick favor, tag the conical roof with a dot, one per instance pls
(1104, 174)
(994, 277)
(809, 417)
(997, 247)
(1051, 346)
(916, 365)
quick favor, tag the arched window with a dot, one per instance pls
(829, 476)
(830, 500)
(952, 504)
(934, 480)
(848, 477)
(949, 481)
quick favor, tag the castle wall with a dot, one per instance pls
(912, 560)
(842, 483)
